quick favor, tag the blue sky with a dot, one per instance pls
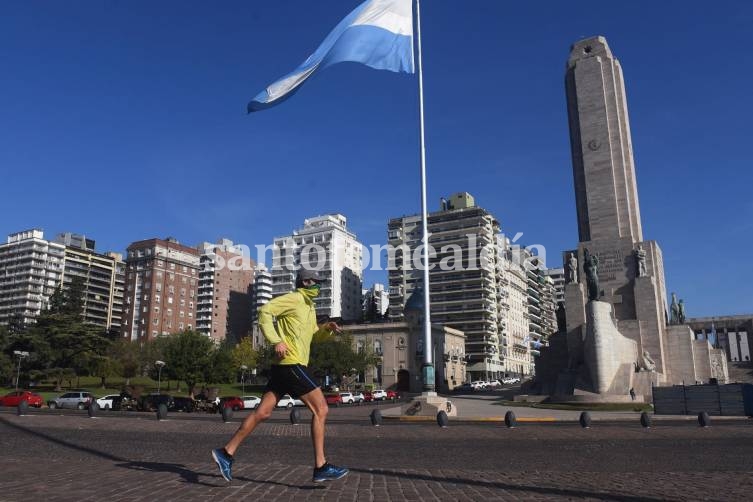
(126, 121)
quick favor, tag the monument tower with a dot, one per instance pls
(617, 335)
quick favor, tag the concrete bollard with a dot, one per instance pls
(295, 416)
(92, 409)
(704, 420)
(376, 418)
(645, 420)
(23, 408)
(442, 419)
(510, 419)
(585, 420)
(227, 413)
(162, 412)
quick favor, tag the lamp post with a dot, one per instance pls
(243, 379)
(20, 354)
(160, 365)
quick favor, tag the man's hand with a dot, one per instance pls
(333, 327)
(281, 349)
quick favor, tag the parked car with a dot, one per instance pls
(333, 399)
(494, 384)
(347, 398)
(368, 396)
(466, 387)
(288, 402)
(379, 394)
(479, 385)
(185, 404)
(511, 380)
(79, 400)
(151, 402)
(251, 402)
(233, 402)
(392, 395)
(358, 397)
(14, 398)
(108, 402)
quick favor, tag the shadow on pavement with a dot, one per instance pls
(565, 492)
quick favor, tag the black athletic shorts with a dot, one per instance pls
(290, 379)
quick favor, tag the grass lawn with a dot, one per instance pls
(638, 407)
(116, 384)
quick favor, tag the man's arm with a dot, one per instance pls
(278, 307)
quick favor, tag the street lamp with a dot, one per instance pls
(20, 354)
(243, 379)
(160, 365)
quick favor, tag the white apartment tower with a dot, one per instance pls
(464, 296)
(516, 348)
(323, 243)
(31, 268)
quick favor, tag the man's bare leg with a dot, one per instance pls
(263, 412)
(319, 407)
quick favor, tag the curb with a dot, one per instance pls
(654, 418)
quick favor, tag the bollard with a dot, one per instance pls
(510, 419)
(227, 413)
(162, 412)
(93, 409)
(585, 420)
(376, 418)
(704, 420)
(442, 419)
(23, 408)
(295, 416)
(645, 420)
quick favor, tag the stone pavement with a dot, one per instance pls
(130, 456)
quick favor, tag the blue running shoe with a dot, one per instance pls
(328, 472)
(224, 462)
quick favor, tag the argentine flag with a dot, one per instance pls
(378, 33)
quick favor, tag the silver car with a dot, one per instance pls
(77, 400)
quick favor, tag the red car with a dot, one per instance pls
(368, 396)
(392, 395)
(234, 402)
(333, 399)
(15, 397)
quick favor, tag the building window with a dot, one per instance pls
(182, 314)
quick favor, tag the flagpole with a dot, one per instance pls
(428, 366)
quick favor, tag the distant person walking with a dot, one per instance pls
(296, 328)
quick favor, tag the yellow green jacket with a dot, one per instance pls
(296, 325)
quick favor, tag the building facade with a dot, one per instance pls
(31, 269)
(323, 243)
(733, 334)
(376, 302)
(558, 279)
(464, 283)
(102, 277)
(516, 346)
(161, 287)
(224, 303)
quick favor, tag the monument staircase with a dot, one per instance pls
(740, 372)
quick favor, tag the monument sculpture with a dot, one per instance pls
(591, 267)
(571, 269)
(616, 319)
(640, 261)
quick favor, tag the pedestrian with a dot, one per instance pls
(295, 317)
(632, 393)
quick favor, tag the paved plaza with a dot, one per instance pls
(133, 456)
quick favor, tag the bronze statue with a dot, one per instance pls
(591, 266)
(681, 312)
(674, 311)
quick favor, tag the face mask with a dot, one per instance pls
(312, 291)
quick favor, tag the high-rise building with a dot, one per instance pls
(224, 303)
(376, 302)
(558, 279)
(101, 276)
(323, 243)
(513, 293)
(160, 289)
(260, 295)
(31, 269)
(464, 283)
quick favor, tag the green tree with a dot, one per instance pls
(222, 368)
(335, 356)
(187, 356)
(244, 354)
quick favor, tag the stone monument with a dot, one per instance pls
(616, 336)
